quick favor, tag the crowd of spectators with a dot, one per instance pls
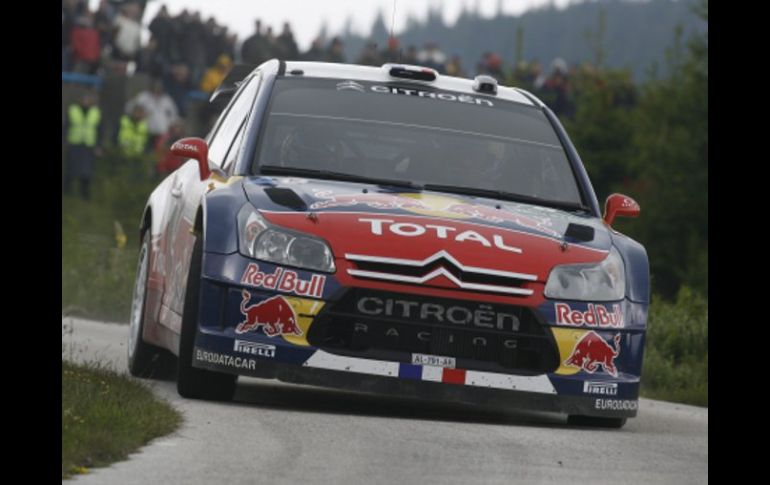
(189, 53)
(185, 53)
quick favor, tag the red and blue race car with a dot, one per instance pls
(391, 230)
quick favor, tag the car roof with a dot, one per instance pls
(373, 73)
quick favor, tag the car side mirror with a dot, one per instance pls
(619, 205)
(196, 148)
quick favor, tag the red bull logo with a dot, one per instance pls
(591, 351)
(433, 205)
(284, 280)
(274, 315)
(595, 316)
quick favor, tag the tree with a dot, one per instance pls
(602, 128)
(671, 147)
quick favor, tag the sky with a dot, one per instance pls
(307, 16)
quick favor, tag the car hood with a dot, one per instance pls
(361, 220)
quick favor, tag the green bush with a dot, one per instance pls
(676, 351)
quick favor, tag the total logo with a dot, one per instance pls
(275, 315)
(596, 316)
(408, 229)
(284, 280)
(185, 146)
(592, 351)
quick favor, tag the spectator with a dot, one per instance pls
(167, 161)
(176, 47)
(232, 40)
(83, 129)
(84, 44)
(271, 45)
(104, 20)
(151, 60)
(194, 47)
(287, 47)
(491, 64)
(556, 88)
(177, 84)
(214, 44)
(254, 49)
(69, 12)
(128, 32)
(454, 67)
(159, 108)
(214, 76)
(316, 51)
(525, 74)
(162, 30)
(370, 56)
(494, 67)
(411, 55)
(335, 52)
(432, 57)
(391, 54)
(132, 137)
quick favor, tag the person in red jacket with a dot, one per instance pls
(84, 42)
(167, 161)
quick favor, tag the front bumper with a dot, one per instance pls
(591, 390)
(426, 390)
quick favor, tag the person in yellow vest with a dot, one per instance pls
(214, 75)
(83, 139)
(133, 133)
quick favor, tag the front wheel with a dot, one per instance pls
(595, 422)
(144, 360)
(192, 382)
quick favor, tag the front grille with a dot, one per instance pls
(440, 264)
(390, 326)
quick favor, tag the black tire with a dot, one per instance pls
(192, 382)
(144, 360)
(595, 421)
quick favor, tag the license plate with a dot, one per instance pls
(436, 360)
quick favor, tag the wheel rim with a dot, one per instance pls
(137, 303)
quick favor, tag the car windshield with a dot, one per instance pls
(403, 132)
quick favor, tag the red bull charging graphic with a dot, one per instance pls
(592, 351)
(274, 315)
(437, 206)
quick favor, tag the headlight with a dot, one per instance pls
(605, 281)
(260, 240)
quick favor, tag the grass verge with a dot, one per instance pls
(676, 356)
(106, 416)
(100, 241)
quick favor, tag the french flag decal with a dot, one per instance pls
(449, 376)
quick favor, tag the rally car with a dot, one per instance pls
(391, 230)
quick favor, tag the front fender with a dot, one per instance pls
(152, 216)
(637, 267)
(220, 225)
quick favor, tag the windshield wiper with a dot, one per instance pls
(499, 194)
(332, 175)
